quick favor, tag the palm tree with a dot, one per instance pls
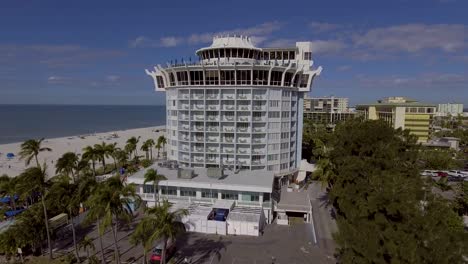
(158, 146)
(132, 144)
(67, 164)
(121, 156)
(30, 149)
(145, 148)
(167, 224)
(162, 141)
(114, 199)
(152, 175)
(103, 153)
(8, 187)
(90, 153)
(111, 150)
(33, 181)
(150, 142)
(96, 213)
(65, 196)
(86, 244)
(142, 235)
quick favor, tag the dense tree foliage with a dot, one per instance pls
(385, 213)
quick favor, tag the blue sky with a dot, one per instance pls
(95, 52)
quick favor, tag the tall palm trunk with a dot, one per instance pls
(74, 235)
(37, 161)
(100, 241)
(94, 168)
(144, 256)
(151, 153)
(116, 246)
(163, 255)
(155, 194)
(49, 244)
(115, 162)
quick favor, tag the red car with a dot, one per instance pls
(157, 251)
(442, 174)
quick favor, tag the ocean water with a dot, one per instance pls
(22, 122)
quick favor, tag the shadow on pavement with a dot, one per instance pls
(199, 250)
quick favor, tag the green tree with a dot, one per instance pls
(86, 244)
(8, 187)
(132, 144)
(162, 141)
(67, 164)
(34, 181)
(102, 153)
(112, 150)
(63, 195)
(437, 159)
(96, 213)
(383, 214)
(145, 148)
(166, 223)
(142, 235)
(30, 149)
(152, 175)
(90, 153)
(114, 198)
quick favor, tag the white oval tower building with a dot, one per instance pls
(238, 106)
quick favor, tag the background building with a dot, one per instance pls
(327, 110)
(449, 108)
(329, 104)
(402, 112)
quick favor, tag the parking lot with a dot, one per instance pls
(279, 244)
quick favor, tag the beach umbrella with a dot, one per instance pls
(10, 155)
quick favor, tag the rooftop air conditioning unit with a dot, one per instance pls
(214, 173)
(185, 173)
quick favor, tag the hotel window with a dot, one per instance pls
(272, 167)
(182, 78)
(147, 188)
(266, 197)
(285, 114)
(276, 78)
(260, 77)
(196, 77)
(209, 193)
(286, 93)
(229, 195)
(283, 166)
(274, 136)
(284, 135)
(274, 114)
(284, 155)
(221, 53)
(171, 79)
(292, 55)
(160, 81)
(272, 55)
(288, 78)
(212, 55)
(168, 190)
(274, 146)
(304, 80)
(243, 77)
(211, 78)
(227, 78)
(228, 53)
(274, 125)
(284, 145)
(272, 157)
(266, 56)
(307, 55)
(285, 55)
(286, 104)
(188, 192)
(274, 103)
(250, 197)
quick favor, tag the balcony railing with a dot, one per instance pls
(259, 97)
(244, 130)
(228, 96)
(228, 129)
(243, 151)
(243, 118)
(244, 108)
(229, 107)
(228, 150)
(213, 128)
(212, 96)
(213, 140)
(229, 140)
(243, 140)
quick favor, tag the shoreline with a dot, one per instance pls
(60, 145)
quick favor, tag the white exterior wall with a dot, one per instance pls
(452, 109)
(200, 127)
(399, 117)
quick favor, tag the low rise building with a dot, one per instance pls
(401, 112)
(327, 110)
(453, 109)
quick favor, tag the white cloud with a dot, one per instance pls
(258, 33)
(319, 27)
(430, 81)
(54, 79)
(113, 78)
(413, 38)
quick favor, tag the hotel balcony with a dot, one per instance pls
(212, 160)
(199, 139)
(198, 106)
(244, 96)
(228, 139)
(212, 96)
(212, 139)
(185, 158)
(258, 140)
(259, 96)
(228, 128)
(259, 107)
(243, 150)
(198, 159)
(228, 107)
(243, 140)
(184, 138)
(243, 129)
(243, 108)
(197, 127)
(212, 149)
(184, 96)
(227, 118)
(212, 128)
(259, 118)
(184, 147)
(213, 107)
(259, 151)
(212, 118)
(243, 118)
(198, 95)
(198, 117)
(228, 94)
(228, 150)
(258, 162)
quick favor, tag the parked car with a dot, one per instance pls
(454, 179)
(156, 255)
(442, 174)
(428, 173)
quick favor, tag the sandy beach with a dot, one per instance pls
(14, 166)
